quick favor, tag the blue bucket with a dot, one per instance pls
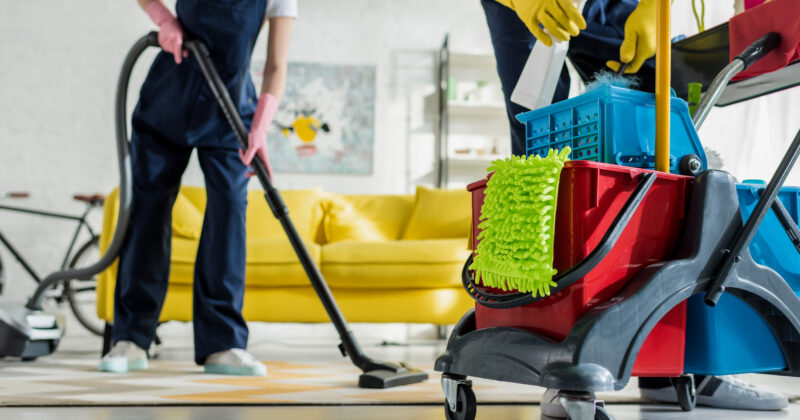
(732, 337)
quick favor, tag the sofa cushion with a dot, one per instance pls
(366, 217)
(394, 264)
(259, 251)
(305, 210)
(184, 250)
(270, 262)
(187, 220)
(273, 263)
(196, 196)
(440, 214)
(277, 251)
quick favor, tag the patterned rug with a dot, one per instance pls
(62, 381)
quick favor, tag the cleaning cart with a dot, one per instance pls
(640, 243)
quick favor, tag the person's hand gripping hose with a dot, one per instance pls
(560, 18)
(257, 139)
(640, 38)
(170, 34)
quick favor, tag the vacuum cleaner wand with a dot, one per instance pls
(376, 374)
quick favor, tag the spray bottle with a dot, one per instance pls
(537, 83)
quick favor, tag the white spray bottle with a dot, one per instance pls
(537, 83)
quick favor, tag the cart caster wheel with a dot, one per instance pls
(466, 405)
(687, 394)
(690, 165)
(602, 414)
(460, 402)
(582, 407)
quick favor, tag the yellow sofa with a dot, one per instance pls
(386, 258)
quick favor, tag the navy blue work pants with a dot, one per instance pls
(158, 164)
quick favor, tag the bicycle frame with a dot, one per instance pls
(82, 223)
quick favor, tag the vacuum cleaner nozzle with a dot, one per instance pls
(391, 375)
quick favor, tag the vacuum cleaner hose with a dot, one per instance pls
(125, 181)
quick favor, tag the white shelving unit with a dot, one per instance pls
(473, 160)
(471, 124)
(476, 109)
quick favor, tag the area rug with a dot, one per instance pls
(63, 381)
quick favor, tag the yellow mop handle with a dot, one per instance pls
(663, 49)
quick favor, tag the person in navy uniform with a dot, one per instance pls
(176, 114)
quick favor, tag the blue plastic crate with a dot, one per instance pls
(611, 125)
(732, 337)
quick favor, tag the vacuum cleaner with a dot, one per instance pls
(26, 331)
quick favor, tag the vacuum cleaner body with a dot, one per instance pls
(26, 333)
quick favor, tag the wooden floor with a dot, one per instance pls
(527, 412)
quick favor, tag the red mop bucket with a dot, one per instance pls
(590, 196)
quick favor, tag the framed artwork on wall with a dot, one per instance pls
(325, 123)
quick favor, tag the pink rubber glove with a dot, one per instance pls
(257, 139)
(170, 34)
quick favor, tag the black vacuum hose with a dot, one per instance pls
(125, 181)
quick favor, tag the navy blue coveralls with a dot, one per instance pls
(177, 113)
(588, 52)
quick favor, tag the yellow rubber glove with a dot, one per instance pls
(560, 18)
(640, 37)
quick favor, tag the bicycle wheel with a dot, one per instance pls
(81, 292)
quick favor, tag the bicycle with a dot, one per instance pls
(78, 293)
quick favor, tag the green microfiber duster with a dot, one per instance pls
(517, 225)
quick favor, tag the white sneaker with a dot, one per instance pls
(724, 392)
(234, 362)
(551, 406)
(125, 356)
